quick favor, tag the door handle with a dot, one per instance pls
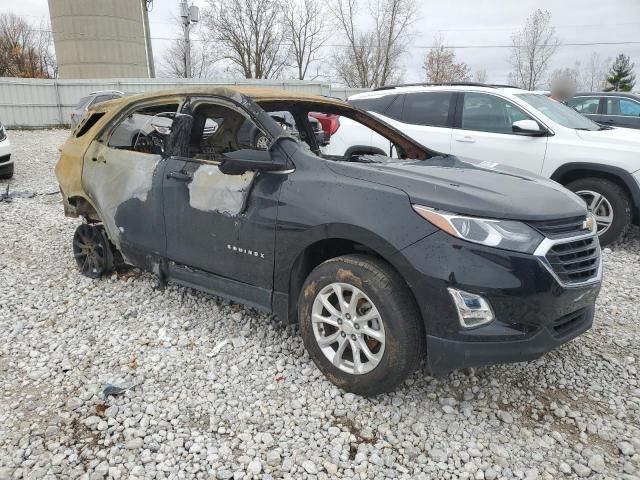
(180, 176)
(465, 140)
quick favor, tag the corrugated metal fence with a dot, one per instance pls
(34, 103)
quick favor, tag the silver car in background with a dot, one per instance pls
(83, 105)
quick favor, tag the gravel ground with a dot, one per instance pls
(220, 391)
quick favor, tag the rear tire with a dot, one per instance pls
(92, 250)
(379, 324)
(610, 204)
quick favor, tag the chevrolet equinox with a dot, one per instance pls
(383, 258)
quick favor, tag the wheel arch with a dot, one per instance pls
(285, 305)
(81, 206)
(574, 171)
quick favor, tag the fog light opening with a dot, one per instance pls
(473, 310)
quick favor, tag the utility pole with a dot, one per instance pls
(147, 5)
(189, 14)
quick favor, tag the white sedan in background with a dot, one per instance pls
(6, 163)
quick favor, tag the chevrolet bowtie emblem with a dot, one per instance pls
(588, 223)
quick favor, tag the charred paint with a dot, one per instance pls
(113, 177)
(212, 191)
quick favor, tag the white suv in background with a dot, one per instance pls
(518, 128)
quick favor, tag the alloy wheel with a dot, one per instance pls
(601, 208)
(348, 328)
(90, 250)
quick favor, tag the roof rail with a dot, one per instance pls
(500, 85)
(436, 84)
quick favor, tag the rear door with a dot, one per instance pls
(424, 116)
(484, 132)
(122, 174)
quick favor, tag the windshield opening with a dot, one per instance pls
(341, 132)
(559, 113)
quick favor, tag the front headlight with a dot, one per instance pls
(3, 133)
(506, 234)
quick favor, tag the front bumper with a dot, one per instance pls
(534, 313)
(446, 354)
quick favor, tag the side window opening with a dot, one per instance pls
(89, 123)
(218, 129)
(428, 109)
(374, 104)
(629, 108)
(586, 105)
(489, 113)
(135, 132)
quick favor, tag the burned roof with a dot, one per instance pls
(258, 94)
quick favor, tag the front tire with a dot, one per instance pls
(360, 324)
(609, 203)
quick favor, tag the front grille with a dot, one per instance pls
(561, 227)
(575, 261)
(569, 323)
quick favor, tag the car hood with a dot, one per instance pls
(469, 187)
(619, 137)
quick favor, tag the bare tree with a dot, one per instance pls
(25, 51)
(372, 57)
(533, 47)
(481, 75)
(249, 34)
(594, 74)
(306, 29)
(173, 63)
(440, 64)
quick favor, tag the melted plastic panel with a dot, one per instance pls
(114, 177)
(212, 191)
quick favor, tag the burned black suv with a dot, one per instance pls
(383, 258)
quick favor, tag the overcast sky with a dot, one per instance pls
(462, 23)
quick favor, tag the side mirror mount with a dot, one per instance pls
(527, 127)
(273, 160)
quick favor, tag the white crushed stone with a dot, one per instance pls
(256, 406)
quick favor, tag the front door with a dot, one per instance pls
(220, 229)
(485, 133)
(122, 173)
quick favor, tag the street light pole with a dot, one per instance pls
(189, 15)
(146, 7)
